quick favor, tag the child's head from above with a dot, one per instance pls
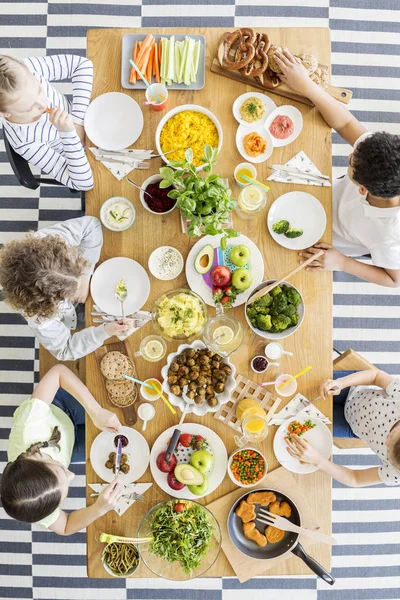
(375, 165)
(22, 98)
(34, 485)
(39, 273)
(393, 445)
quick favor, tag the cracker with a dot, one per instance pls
(119, 389)
(125, 401)
(114, 364)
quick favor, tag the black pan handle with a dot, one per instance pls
(172, 445)
(318, 569)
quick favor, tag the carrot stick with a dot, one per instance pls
(149, 72)
(145, 60)
(146, 44)
(132, 76)
(156, 64)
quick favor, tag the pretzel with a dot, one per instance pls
(244, 51)
(259, 64)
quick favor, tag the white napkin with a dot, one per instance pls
(300, 161)
(121, 170)
(140, 314)
(123, 503)
(301, 408)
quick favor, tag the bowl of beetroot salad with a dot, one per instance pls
(160, 203)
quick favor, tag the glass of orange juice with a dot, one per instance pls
(253, 422)
(151, 394)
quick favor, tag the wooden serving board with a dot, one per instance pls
(129, 412)
(245, 567)
(341, 94)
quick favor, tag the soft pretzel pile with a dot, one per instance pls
(253, 55)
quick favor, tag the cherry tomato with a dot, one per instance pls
(179, 507)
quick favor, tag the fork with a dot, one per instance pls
(129, 496)
(270, 518)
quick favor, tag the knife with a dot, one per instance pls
(118, 457)
(172, 445)
(297, 171)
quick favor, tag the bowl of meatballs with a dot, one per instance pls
(202, 375)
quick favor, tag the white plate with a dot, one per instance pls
(155, 258)
(137, 449)
(196, 281)
(260, 129)
(319, 437)
(217, 449)
(198, 409)
(107, 275)
(269, 106)
(113, 121)
(303, 211)
(287, 111)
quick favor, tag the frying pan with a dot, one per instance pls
(289, 543)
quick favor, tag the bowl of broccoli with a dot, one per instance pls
(278, 314)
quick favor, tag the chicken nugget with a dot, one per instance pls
(246, 511)
(261, 498)
(251, 532)
(283, 509)
(273, 534)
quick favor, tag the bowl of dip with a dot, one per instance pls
(284, 124)
(117, 214)
(159, 204)
(165, 263)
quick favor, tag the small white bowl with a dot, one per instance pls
(106, 205)
(155, 258)
(242, 131)
(238, 483)
(269, 106)
(245, 165)
(287, 111)
(107, 568)
(148, 181)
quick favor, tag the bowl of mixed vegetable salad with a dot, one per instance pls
(247, 467)
(186, 539)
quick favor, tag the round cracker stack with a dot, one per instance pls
(121, 392)
(114, 364)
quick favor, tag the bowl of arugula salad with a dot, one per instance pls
(186, 539)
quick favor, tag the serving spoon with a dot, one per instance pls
(138, 187)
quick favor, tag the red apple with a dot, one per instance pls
(164, 466)
(174, 483)
(220, 276)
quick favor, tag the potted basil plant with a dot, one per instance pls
(204, 200)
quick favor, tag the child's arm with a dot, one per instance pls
(332, 387)
(334, 113)
(68, 66)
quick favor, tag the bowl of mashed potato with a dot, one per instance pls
(179, 315)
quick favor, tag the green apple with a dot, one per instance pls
(202, 460)
(199, 490)
(239, 255)
(242, 279)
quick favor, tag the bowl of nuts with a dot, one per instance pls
(200, 374)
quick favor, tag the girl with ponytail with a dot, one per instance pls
(48, 434)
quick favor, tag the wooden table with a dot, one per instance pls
(311, 345)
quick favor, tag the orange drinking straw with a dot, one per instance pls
(47, 111)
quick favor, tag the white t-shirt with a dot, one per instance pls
(371, 413)
(359, 228)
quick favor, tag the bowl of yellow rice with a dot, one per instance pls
(188, 126)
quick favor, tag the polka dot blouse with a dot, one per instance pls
(371, 413)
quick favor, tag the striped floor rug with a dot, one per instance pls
(36, 564)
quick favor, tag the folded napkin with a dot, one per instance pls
(123, 503)
(301, 408)
(121, 170)
(302, 162)
(143, 315)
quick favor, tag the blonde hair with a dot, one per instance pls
(9, 78)
(39, 273)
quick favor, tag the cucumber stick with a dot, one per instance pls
(179, 60)
(187, 73)
(171, 59)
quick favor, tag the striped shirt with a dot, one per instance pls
(59, 154)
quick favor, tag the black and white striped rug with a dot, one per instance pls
(38, 565)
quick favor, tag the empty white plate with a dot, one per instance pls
(113, 121)
(242, 131)
(303, 211)
(286, 111)
(107, 275)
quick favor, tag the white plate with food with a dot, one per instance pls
(212, 398)
(201, 283)
(113, 121)
(166, 263)
(252, 108)
(135, 454)
(284, 124)
(311, 430)
(203, 451)
(304, 213)
(106, 277)
(254, 143)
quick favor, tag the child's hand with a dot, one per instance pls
(331, 260)
(61, 120)
(329, 387)
(118, 327)
(109, 497)
(294, 74)
(80, 133)
(105, 420)
(302, 450)
(83, 289)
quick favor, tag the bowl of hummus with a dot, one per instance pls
(179, 315)
(252, 108)
(117, 214)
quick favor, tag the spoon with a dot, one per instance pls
(138, 186)
(146, 412)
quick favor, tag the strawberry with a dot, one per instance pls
(186, 439)
(225, 299)
(198, 442)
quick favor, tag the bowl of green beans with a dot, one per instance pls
(120, 559)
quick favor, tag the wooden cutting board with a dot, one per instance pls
(129, 412)
(244, 566)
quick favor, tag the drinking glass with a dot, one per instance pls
(223, 333)
(152, 348)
